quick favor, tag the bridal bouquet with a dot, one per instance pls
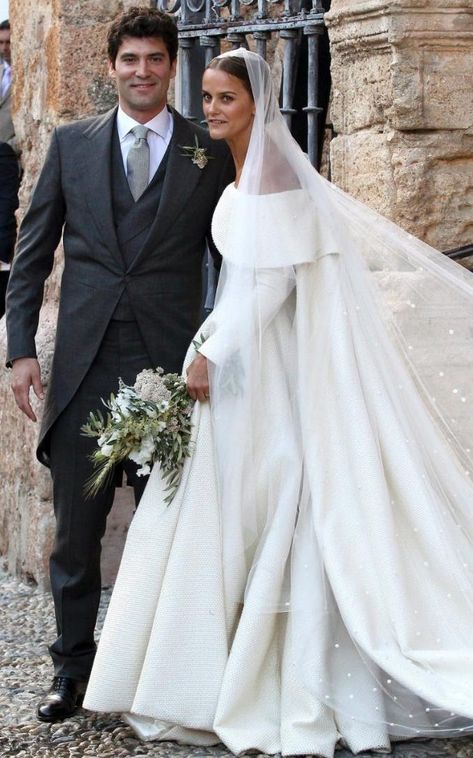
(149, 422)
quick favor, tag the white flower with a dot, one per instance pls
(150, 387)
(173, 425)
(144, 453)
(151, 413)
(200, 159)
(122, 402)
(143, 416)
(196, 153)
(106, 450)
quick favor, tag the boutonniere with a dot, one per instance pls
(196, 153)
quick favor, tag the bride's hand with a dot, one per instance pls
(198, 379)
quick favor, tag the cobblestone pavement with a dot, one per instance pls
(26, 622)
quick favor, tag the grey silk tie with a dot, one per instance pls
(137, 162)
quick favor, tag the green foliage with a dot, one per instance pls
(146, 432)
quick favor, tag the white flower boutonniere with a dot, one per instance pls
(196, 153)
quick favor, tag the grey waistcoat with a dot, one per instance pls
(130, 216)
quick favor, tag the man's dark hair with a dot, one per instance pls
(142, 22)
(4, 25)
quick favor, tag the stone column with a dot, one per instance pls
(60, 74)
(403, 112)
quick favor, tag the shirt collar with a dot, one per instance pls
(160, 124)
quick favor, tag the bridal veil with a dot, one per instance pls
(370, 448)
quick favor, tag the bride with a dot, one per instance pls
(311, 582)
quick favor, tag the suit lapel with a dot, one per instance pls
(180, 181)
(98, 165)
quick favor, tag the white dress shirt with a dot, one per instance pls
(5, 82)
(159, 136)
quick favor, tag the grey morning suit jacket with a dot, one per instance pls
(163, 283)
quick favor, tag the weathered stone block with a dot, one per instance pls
(361, 165)
(423, 181)
(409, 65)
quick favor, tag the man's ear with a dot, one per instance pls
(173, 68)
(111, 69)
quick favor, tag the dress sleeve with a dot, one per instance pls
(271, 290)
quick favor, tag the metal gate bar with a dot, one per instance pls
(209, 23)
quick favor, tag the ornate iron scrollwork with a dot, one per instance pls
(204, 25)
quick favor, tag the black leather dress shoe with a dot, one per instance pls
(62, 699)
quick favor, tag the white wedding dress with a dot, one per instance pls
(312, 581)
(377, 640)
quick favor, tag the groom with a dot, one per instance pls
(135, 213)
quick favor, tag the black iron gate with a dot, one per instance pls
(207, 25)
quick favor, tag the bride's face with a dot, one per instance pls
(228, 106)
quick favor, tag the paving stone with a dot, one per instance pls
(27, 624)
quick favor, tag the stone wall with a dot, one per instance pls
(403, 114)
(403, 110)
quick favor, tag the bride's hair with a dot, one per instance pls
(234, 66)
(270, 170)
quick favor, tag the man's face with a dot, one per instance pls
(5, 44)
(142, 71)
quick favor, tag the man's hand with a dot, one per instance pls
(26, 373)
(198, 379)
